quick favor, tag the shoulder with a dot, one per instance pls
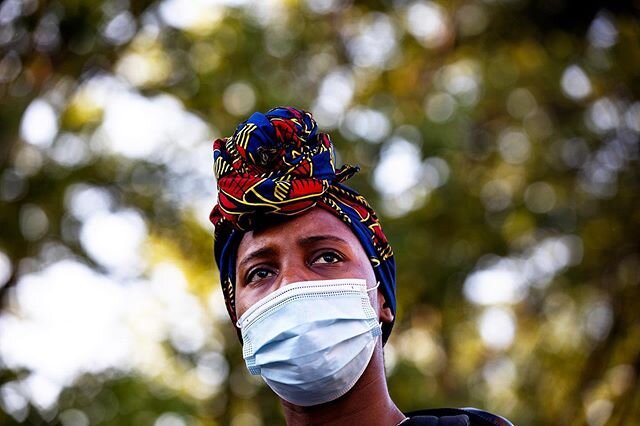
(455, 417)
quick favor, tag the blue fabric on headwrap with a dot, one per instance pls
(279, 164)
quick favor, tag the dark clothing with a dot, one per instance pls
(454, 417)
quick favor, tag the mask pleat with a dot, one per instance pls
(302, 351)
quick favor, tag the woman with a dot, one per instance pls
(308, 276)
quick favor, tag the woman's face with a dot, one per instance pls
(312, 246)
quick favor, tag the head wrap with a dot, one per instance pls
(279, 164)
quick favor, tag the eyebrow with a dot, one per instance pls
(258, 254)
(263, 252)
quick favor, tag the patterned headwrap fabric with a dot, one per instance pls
(279, 164)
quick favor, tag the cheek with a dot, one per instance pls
(248, 296)
(240, 307)
(243, 301)
(366, 270)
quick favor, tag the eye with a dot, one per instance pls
(327, 257)
(258, 274)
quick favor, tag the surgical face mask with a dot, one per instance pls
(311, 341)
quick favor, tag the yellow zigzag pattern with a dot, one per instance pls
(242, 138)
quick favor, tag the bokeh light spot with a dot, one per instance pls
(5, 268)
(114, 240)
(427, 21)
(603, 116)
(374, 43)
(13, 401)
(472, 19)
(10, 67)
(497, 328)
(324, 6)
(170, 419)
(521, 102)
(598, 320)
(399, 167)
(84, 200)
(74, 417)
(368, 124)
(39, 123)
(500, 373)
(496, 195)
(120, 29)
(70, 150)
(440, 107)
(495, 286)
(34, 222)
(514, 146)
(239, 98)
(195, 15)
(598, 412)
(602, 32)
(540, 197)
(334, 96)
(575, 83)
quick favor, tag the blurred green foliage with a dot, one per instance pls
(512, 124)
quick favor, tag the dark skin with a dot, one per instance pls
(317, 246)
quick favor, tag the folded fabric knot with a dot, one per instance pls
(275, 163)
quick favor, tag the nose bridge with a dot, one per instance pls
(293, 269)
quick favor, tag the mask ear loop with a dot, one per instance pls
(374, 287)
(371, 289)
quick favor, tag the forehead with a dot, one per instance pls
(285, 233)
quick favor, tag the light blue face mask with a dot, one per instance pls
(311, 341)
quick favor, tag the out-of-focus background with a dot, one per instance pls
(498, 139)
